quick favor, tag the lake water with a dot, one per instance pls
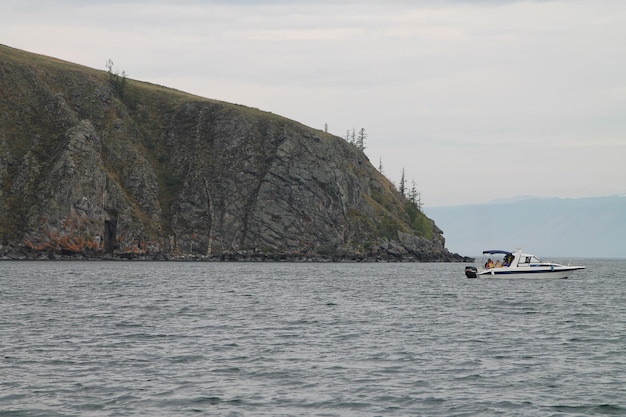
(282, 339)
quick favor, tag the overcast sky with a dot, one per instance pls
(476, 100)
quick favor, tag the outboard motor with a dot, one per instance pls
(470, 271)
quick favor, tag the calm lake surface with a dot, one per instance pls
(282, 339)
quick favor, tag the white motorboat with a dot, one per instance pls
(518, 265)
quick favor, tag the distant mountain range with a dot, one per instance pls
(553, 227)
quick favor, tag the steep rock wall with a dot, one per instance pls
(92, 168)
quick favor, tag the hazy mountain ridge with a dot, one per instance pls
(575, 227)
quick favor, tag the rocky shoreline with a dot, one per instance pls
(27, 254)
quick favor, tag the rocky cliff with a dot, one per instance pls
(93, 165)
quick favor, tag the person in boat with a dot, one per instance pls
(508, 259)
(489, 263)
(498, 264)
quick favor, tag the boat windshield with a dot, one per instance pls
(529, 259)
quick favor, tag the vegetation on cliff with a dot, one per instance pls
(95, 165)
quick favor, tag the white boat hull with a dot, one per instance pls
(528, 273)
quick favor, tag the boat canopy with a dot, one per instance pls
(496, 251)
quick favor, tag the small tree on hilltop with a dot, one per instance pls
(356, 139)
(403, 184)
(360, 140)
(117, 82)
(415, 197)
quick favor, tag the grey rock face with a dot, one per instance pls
(86, 170)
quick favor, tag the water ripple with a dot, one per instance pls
(153, 339)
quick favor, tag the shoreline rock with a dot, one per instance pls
(393, 256)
